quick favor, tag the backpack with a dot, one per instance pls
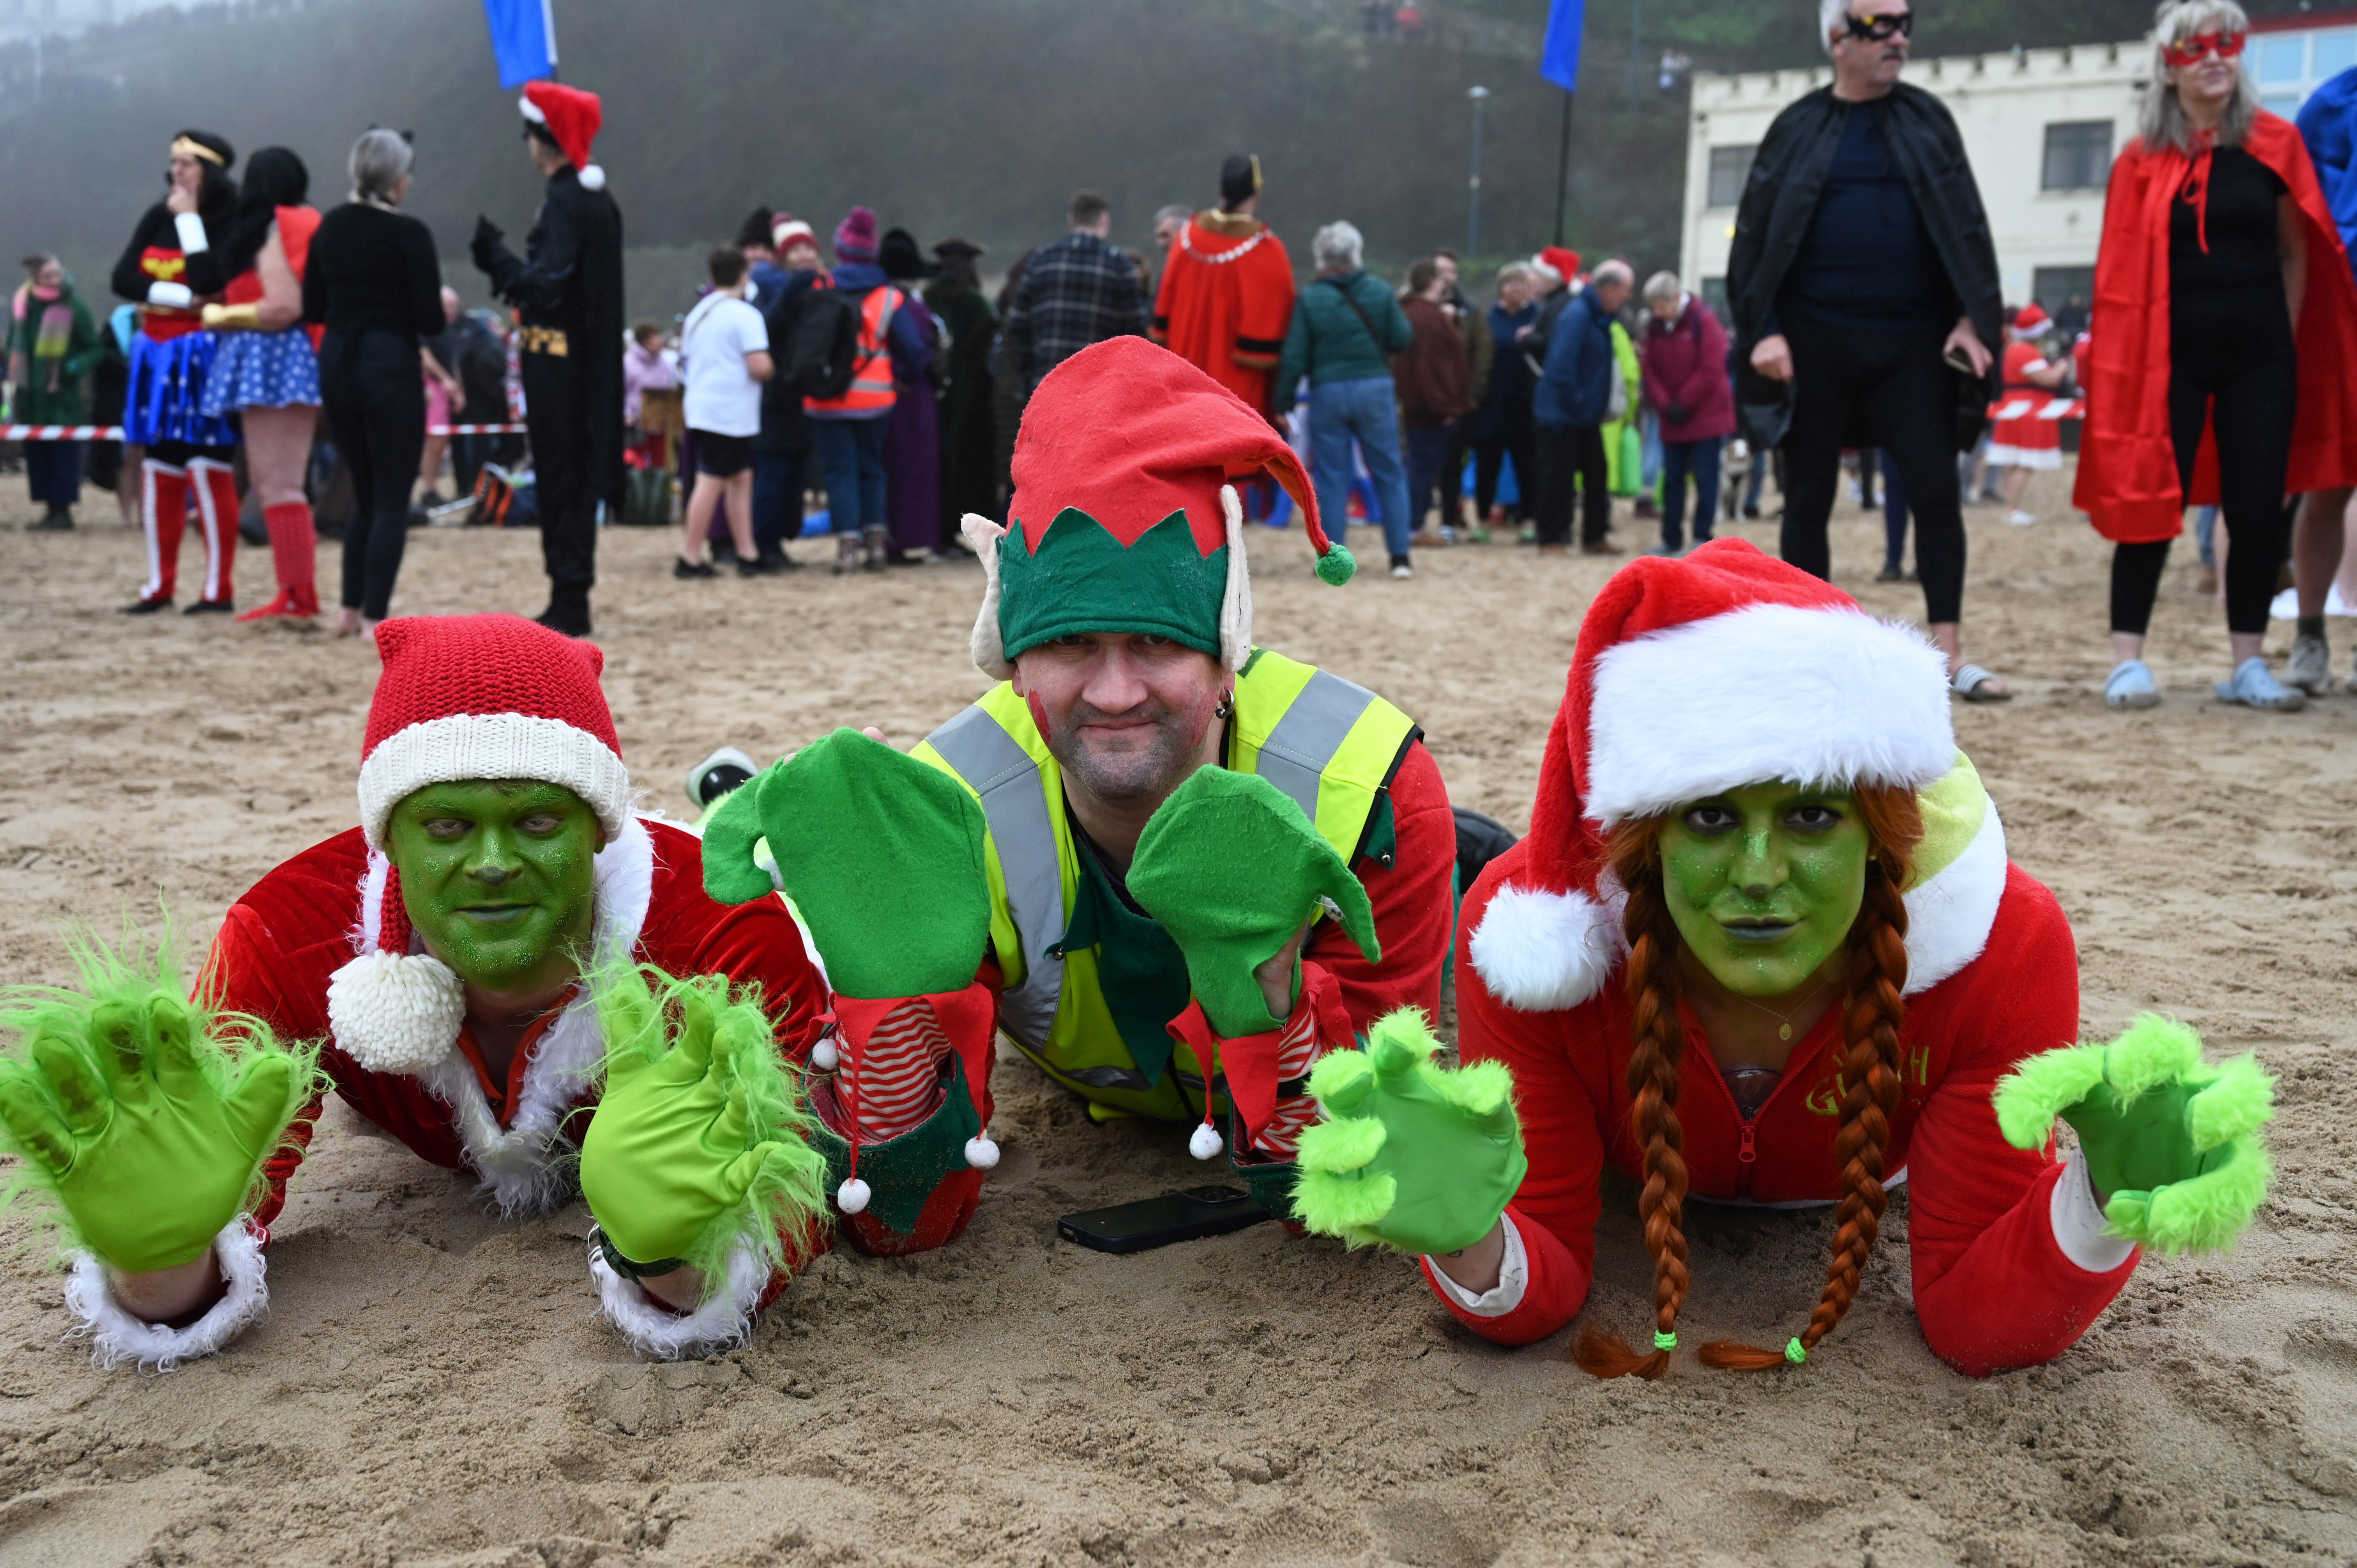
(823, 350)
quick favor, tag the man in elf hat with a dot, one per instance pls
(503, 967)
(1227, 293)
(1763, 946)
(1170, 867)
(567, 291)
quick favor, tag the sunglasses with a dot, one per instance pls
(2191, 48)
(1874, 28)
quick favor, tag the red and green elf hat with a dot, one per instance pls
(1124, 518)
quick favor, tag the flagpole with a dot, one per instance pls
(1562, 167)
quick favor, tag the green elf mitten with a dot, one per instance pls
(143, 1113)
(2174, 1140)
(1409, 1155)
(883, 857)
(699, 1149)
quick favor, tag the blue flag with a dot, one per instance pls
(1559, 61)
(523, 39)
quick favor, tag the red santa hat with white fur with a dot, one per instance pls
(572, 118)
(1692, 677)
(490, 696)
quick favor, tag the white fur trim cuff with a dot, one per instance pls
(492, 746)
(1539, 952)
(119, 1339)
(189, 228)
(1815, 696)
(723, 1321)
(2080, 1228)
(1514, 1279)
(396, 1012)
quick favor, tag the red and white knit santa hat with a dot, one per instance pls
(1692, 677)
(461, 697)
(572, 117)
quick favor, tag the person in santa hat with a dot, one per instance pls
(504, 967)
(1172, 867)
(567, 291)
(2029, 377)
(1227, 293)
(1763, 946)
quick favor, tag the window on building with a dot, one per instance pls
(2078, 155)
(1729, 168)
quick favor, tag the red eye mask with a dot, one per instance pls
(2190, 49)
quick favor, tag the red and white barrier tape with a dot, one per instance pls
(2053, 408)
(114, 432)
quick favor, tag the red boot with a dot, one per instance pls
(215, 483)
(164, 514)
(293, 552)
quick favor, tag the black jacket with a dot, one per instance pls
(570, 277)
(1788, 175)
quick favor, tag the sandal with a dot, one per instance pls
(1972, 682)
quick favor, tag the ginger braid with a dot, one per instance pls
(1635, 858)
(1874, 1010)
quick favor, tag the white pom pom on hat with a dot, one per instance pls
(852, 1195)
(982, 1153)
(394, 1011)
(1207, 1142)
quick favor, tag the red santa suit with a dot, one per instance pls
(1225, 301)
(309, 948)
(1770, 678)
(2019, 435)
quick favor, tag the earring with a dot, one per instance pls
(1227, 708)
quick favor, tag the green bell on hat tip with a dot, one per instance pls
(1336, 566)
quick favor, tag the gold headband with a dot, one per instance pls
(197, 149)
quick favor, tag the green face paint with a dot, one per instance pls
(498, 878)
(1765, 882)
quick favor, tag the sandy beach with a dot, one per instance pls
(433, 1386)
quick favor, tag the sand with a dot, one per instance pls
(432, 1386)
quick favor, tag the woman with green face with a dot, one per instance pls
(1763, 946)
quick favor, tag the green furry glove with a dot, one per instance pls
(145, 1115)
(1233, 870)
(699, 1145)
(881, 855)
(1409, 1155)
(2173, 1140)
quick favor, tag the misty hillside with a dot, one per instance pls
(976, 117)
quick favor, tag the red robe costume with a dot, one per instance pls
(281, 942)
(2127, 461)
(1225, 301)
(1992, 1231)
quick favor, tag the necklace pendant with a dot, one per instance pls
(1784, 1032)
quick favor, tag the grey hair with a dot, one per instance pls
(1832, 16)
(1174, 212)
(1663, 285)
(1517, 272)
(1612, 272)
(379, 160)
(2162, 122)
(1339, 243)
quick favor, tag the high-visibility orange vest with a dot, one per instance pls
(870, 391)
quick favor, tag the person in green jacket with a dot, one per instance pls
(1623, 455)
(1345, 328)
(52, 345)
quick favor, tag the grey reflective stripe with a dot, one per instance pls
(1014, 803)
(1307, 738)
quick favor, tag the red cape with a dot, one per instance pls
(1225, 301)
(2127, 461)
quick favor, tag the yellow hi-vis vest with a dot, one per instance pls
(1330, 745)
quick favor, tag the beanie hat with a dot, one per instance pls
(785, 228)
(854, 237)
(2031, 321)
(570, 117)
(491, 696)
(1122, 519)
(1692, 677)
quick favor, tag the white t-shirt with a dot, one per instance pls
(713, 342)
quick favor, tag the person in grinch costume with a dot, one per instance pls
(1763, 946)
(1173, 869)
(499, 950)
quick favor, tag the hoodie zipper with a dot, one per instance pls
(1747, 1155)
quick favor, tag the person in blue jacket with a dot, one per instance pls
(1572, 403)
(2328, 123)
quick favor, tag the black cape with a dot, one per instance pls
(570, 277)
(1788, 175)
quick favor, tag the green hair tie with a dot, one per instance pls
(1665, 1341)
(1795, 1352)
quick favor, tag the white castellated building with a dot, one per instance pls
(2041, 128)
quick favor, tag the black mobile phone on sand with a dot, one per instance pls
(1158, 1221)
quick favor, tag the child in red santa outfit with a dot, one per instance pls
(488, 958)
(1763, 946)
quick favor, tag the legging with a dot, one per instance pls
(1893, 387)
(376, 403)
(2231, 362)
